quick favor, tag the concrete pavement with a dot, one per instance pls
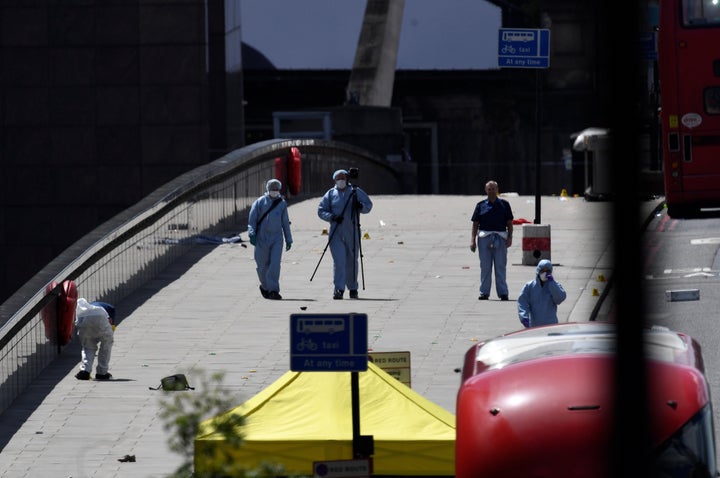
(205, 311)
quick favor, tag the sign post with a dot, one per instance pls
(334, 343)
(527, 48)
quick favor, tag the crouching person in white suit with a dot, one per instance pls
(92, 323)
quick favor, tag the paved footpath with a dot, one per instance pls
(205, 311)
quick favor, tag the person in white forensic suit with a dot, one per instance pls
(95, 331)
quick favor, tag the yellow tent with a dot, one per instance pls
(307, 416)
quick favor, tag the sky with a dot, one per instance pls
(323, 34)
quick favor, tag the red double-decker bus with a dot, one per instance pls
(689, 73)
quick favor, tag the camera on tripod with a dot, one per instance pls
(353, 173)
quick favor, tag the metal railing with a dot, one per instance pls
(118, 257)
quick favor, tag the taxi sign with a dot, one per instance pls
(328, 342)
(523, 48)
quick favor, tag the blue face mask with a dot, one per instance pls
(341, 183)
(543, 276)
(274, 194)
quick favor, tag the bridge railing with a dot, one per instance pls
(121, 255)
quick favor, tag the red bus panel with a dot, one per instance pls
(689, 72)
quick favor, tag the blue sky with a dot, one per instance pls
(323, 34)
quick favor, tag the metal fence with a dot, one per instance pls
(118, 257)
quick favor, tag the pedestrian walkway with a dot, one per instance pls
(420, 294)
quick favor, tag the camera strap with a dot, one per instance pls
(272, 206)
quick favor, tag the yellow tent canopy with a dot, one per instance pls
(307, 416)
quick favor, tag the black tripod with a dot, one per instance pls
(357, 238)
(357, 243)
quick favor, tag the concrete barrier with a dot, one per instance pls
(535, 243)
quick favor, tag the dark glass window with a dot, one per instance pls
(711, 100)
(689, 452)
(701, 12)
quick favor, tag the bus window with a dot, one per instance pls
(712, 100)
(701, 12)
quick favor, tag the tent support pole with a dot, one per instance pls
(355, 397)
(363, 445)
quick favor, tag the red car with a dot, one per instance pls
(539, 403)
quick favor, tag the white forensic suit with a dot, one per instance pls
(95, 332)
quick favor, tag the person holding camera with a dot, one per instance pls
(539, 298)
(341, 207)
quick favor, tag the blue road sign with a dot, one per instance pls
(648, 45)
(523, 48)
(328, 342)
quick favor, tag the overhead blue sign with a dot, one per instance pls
(523, 48)
(648, 45)
(328, 342)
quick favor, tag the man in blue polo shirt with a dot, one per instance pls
(492, 231)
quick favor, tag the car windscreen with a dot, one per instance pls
(690, 451)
